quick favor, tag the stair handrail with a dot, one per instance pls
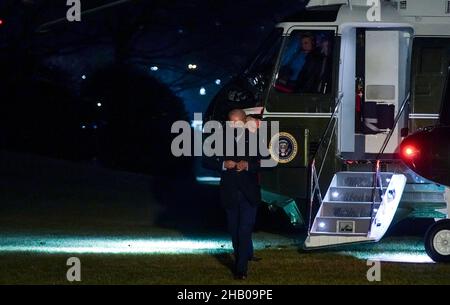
(322, 140)
(314, 189)
(376, 180)
(315, 176)
(377, 173)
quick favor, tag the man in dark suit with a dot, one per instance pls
(239, 191)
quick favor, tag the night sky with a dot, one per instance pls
(105, 88)
(160, 37)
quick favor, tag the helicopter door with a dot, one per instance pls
(375, 68)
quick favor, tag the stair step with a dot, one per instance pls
(348, 209)
(345, 214)
(352, 194)
(357, 179)
(413, 178)
(341, 225)
(350, 202)
(337, 234)
(423, 197)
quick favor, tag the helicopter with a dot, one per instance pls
(347, 91)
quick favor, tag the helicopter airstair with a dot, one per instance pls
(361, 206)
(358, 207)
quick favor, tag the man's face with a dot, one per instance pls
(307, 45)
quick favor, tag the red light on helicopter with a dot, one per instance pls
(1, 22)
(410, 152)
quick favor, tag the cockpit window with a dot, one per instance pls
(306, 63)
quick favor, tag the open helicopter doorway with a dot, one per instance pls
(375, 81)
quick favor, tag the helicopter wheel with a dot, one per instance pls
(437, 241)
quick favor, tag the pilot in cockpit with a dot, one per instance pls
(304, 66)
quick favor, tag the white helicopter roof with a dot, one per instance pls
(427, 18)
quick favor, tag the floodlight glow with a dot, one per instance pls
(396, 250)
(154, 68)
(116, 245)
(400, 257)
(335, 194)
(99, 104)
(322, 225)
(218, 82)
(192, 66)
(83, 76)
(208, 179)
(202, 91)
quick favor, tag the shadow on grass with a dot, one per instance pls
(226, 260)
(191, 207)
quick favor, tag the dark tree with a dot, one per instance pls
(138, 112)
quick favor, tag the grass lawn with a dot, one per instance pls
(54, 207)
(285, 266)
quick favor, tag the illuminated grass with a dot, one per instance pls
(154, 242)
(140, 259)
(285, 266)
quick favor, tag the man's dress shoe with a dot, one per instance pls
(240, 276)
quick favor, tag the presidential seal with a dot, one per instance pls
(287, 147)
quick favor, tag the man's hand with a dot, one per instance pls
(242, 166)
(230, 164)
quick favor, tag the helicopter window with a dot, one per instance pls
(431, 60)
(306, 63)
(431, 57)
